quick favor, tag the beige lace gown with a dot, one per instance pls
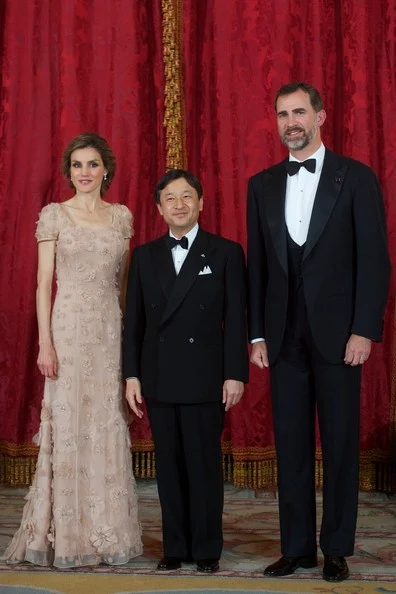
(82, 506)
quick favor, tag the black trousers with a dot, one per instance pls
(189, 468)
(301, 383)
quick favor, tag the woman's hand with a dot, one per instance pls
(47, 361)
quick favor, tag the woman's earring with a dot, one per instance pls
(105, 176)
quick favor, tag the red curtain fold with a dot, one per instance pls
(68, 67)
(237, 54)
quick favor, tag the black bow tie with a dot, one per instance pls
(183, 242)
(294, 167)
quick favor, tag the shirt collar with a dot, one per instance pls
(191, 235)
(318, 155)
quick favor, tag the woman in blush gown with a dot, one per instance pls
(82, 506)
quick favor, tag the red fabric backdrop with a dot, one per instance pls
(68, 67)
(81, 65)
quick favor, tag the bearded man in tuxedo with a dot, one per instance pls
(318, 275)
(185, 352)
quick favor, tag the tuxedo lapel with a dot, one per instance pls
(275, 193)
(329, 188)
(194, 262)
(163, 265)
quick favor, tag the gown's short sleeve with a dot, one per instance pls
(48, 223)
(126, 221)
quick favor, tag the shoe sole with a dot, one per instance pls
(283, 574)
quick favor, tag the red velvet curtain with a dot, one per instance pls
(97, 65)
(67, 67)
(237, 54)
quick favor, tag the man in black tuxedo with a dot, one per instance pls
(318, 272)
(185, 352)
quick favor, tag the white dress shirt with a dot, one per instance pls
(178, 253)
(300, 197)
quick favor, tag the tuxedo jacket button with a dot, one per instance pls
(153, 305)
(201, 306)
(191, 340)
(162, 339)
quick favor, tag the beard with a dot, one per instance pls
(299, 143)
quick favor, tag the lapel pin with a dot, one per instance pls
(337, 180)
(203, 256)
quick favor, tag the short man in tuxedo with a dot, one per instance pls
(185, 352)
(318, 273)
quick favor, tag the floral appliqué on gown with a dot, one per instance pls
(82, 506)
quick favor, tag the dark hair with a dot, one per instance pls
(174, 174)
(90, 140)
(314, 95)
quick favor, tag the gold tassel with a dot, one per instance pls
(18, 470)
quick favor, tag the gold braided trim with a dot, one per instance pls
(172, 37)
(263, 475)
(18, 471)
(18, 449)
(143, 446)
(374, 455)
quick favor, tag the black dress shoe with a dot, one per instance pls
(169, 564)
(288, 565)
(335, 569)
(208, 565)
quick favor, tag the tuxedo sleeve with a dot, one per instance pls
(256, 266)
(134, 322)
(372, 259)
(236, 361)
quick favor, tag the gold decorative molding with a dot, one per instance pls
(252, 468)
(172, 37)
